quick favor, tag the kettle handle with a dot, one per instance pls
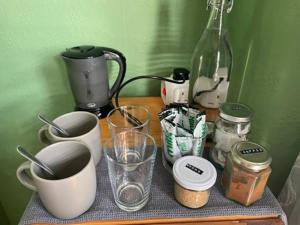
(112, 54)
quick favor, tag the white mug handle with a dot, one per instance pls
(42, 135)
(23, 176)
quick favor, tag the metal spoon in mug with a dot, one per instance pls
(36, 161)
(60, 130)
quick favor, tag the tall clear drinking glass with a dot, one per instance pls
(130, 117)
(130, 157)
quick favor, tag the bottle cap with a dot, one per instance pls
(180, 74)
(219, 3)
(194, 173)
(251, 155)
(236, 112)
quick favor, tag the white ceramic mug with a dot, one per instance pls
(82, 126)
(74, 191)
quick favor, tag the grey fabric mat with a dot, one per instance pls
(161, 203)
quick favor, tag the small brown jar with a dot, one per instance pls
(246, 172)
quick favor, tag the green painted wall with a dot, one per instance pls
(3, 216)
(266, 76)
(154, 36)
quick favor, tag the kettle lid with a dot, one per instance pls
(83, 52)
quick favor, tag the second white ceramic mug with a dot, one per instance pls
(74, 190)
(82, 126)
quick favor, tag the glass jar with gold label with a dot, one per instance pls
(246, 172)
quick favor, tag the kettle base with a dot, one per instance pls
(100, 112)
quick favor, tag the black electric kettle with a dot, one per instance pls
(87, 71)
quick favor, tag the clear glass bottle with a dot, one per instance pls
(232, 125)
(246, 172)
(212, 59)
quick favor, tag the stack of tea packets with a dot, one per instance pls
(183, 131)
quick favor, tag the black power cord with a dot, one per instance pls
(133, 120)
(210, 90)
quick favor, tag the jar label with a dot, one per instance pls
(194, 168)
(251, 151)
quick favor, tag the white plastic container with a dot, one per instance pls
(176, 93)
(194, 176)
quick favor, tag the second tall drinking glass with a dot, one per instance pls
(130, 157)
(130, 117)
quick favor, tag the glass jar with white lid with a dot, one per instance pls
(194, 177)
(232, 125)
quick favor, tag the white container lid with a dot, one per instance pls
(194, 173)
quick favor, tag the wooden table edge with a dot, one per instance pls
(189, 220)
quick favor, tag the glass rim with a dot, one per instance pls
(130, 164)
(127, 106)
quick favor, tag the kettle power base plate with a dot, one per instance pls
(100, 112)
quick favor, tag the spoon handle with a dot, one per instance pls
(33, 159)
(59, 129)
